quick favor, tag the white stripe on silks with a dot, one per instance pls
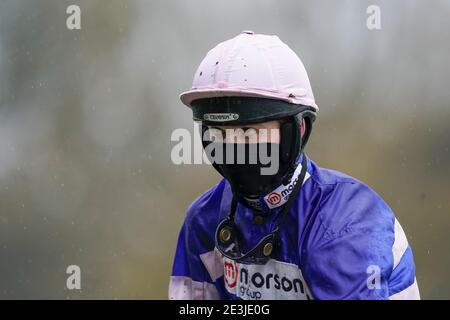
(410, 293)
(184, 288)
(213, 263)
(400, 244)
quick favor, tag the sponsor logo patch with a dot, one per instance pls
(274, 198)
(230, 273)
(220, 117)
(274, 280)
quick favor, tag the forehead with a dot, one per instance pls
(274, 124)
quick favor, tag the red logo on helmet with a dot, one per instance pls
(274, 198)
(230, 273)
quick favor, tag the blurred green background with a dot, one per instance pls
(86, 117)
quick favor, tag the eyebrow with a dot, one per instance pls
(246, 126)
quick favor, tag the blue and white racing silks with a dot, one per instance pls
(340, 240)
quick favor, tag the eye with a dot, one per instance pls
(216, 129)
(216, 134)
(250, 133)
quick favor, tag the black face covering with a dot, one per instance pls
(252, 168)
(255, 169)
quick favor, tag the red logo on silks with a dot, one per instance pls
(274, 198)
(230, 273)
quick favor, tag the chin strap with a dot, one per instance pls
(228, 239)
(287, 207)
